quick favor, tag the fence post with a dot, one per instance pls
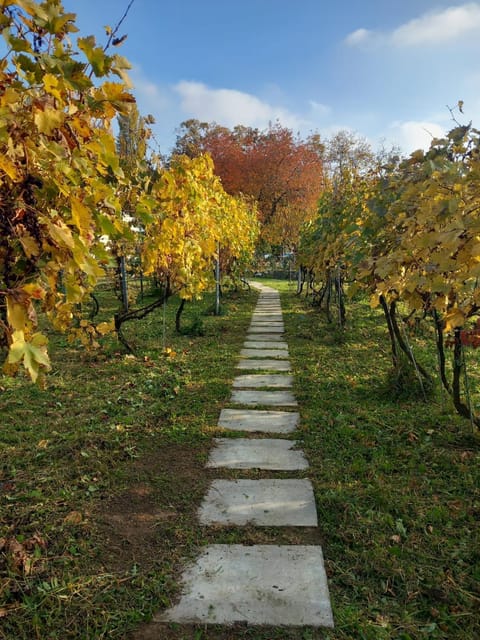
(123, 283)
(217, 282)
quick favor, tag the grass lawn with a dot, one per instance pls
(102, 472)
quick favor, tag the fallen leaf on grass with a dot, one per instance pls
(74, 517)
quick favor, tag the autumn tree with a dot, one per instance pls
(282, 172)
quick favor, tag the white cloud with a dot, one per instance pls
(413, 134)
(230, 107)
(318, 109)
(359, 36)
(453, 24)
(439, 27)
(149, 95)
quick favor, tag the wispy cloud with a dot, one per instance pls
(153, 98)
(359, 36)
(230, 107)
(414, 134)
(318, 109)
(453, 24)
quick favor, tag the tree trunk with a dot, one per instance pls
(458, 364)
(340, 298)
(328, 297)
(178, 316)
(122, 317)
(391, 332)
(441, 352)
(401, 342)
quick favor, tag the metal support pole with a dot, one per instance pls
(123, 278)
(217, 282)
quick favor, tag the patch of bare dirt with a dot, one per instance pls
(136, 525)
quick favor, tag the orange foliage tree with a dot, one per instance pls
(280, 170)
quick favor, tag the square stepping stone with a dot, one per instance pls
(252, 420)
(267, 398)
(269, 365)
(264, 353)
(263, 503)
(266, 323)
(264, 344)
(258, 380)
(265, 307)
(254, 329)
(267, 317)
(258, 585)
(265, 453)
(267, 337)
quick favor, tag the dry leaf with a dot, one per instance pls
(74, 517)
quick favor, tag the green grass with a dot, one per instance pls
(102, 472)
(108, 427)
(397, 484)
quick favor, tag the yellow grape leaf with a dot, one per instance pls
(17, 313)
(74, 292)
(9, 168)
(33, 8)
(115, 92)
(10, 96)
(81, 215)
(33, 353)
(50, 82)
(96, 56)
(81, 127)
(35, 291)
(61, 235)
(454, 318)
(48, 120)
(30, 246)
(105, 327)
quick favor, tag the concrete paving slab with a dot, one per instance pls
(254, 329)
(265, 453)
(270, 337)
(264, 344)
(267, 317)
(263, 503)
(268, 306)
(258, 585)
(267, 323)
(264, 353)
(266, 365)
(251, 420)
(266, 398)
(259, 380)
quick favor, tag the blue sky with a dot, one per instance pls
(386, 69)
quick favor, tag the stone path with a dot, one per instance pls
(258, 584)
